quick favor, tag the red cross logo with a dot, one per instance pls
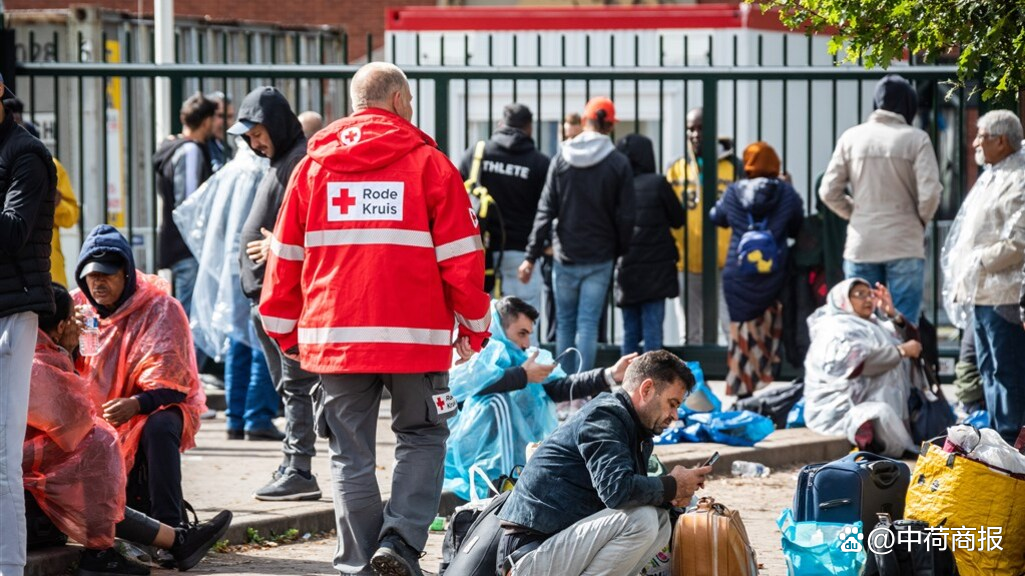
(440, 403)
(350, 135)
(343, 201)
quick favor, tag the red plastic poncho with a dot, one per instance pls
(145, 345)
(71, 465)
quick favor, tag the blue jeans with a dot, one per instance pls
(580, 292)
(904, 277)
(1000, 346)
(511, 285)
(252, 399)
(643, 322)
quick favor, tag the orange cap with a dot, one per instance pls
(600, 103)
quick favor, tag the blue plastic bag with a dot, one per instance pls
(795, 419)
(821, 548)
(978, 419)
(701, 397)
(743, 428)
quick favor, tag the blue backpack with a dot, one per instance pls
(757, 252)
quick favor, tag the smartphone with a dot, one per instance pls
(711, 460)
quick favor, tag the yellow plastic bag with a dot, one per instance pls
(980, 511)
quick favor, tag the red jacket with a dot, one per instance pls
(376, 253)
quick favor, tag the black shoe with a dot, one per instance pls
(192, 543)
(396, 558)
(108, 562)
(271, 433)
(236, 434)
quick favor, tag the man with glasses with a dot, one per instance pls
(983, 258)
(895, 189)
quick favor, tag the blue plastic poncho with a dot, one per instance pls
(210, 221)
(492, 431)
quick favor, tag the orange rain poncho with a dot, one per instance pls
(72, 465)
(145, 345)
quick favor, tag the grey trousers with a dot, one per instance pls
(607, 543)
(17, 346)
(420, 406)
(294, 385)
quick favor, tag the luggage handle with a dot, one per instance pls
(883, 473)
(834, 503)
(866, 456)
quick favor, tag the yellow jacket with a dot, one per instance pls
(64, 216)
(685, 175)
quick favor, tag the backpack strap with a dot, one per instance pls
(478, 157)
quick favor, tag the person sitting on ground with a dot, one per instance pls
(73, 468)
(504, 378)
(857, 373)
(143, 379)
(584, 502)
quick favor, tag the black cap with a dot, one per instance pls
(8, 93)
(104, 263)
(517, 116)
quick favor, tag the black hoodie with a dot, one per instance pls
(648, 269)
(895, 94)
(268, 107)
(514, 172)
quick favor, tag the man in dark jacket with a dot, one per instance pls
(588, 208)
(28, 190)
(513, 171)
(646, 274)
(584, 502)
(267, 123)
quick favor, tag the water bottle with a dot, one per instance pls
(89, 338)
(750, 469)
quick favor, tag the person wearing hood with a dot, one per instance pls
(375, 256)
(143, 379)
(522, 383)
(268, 125)
(761, 201)
(891, 169)
(513, 171)
(587, 207)
(646, 274)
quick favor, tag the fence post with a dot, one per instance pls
(709, 193)
(440, 114)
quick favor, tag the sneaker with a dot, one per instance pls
(278, 473)
(290, 485)
(271, 433)
(191, 543)
(108, 562)
(396, 558)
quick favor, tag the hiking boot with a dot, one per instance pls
(396, 558)
(108, 562)
(291, 485)
(191, 543)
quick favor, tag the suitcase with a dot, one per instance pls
(855, 487)
(712, 541)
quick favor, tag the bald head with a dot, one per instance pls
(311, 122)
(381, 85)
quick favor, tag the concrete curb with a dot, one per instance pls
(780, 449)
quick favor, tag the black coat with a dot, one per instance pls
(648, 269)
(28, 191)
(514, 172)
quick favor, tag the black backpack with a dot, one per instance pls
(470, 547)
(774, 403)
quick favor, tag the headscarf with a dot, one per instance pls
(761, 161)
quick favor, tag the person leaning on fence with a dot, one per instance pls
(983, 259)
(376, 256)
(505, 378)
(895, 189)
(143, 379)
(28, 194)
(74, 469)
(584, 502)
(760, 201)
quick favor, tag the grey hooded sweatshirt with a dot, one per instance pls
(587, 205)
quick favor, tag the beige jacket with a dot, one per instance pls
(895, 188)
(992, 232)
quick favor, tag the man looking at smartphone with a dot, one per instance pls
(584, 502)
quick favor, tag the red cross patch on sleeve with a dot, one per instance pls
(444, 403)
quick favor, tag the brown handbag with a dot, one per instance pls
(712, 541)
